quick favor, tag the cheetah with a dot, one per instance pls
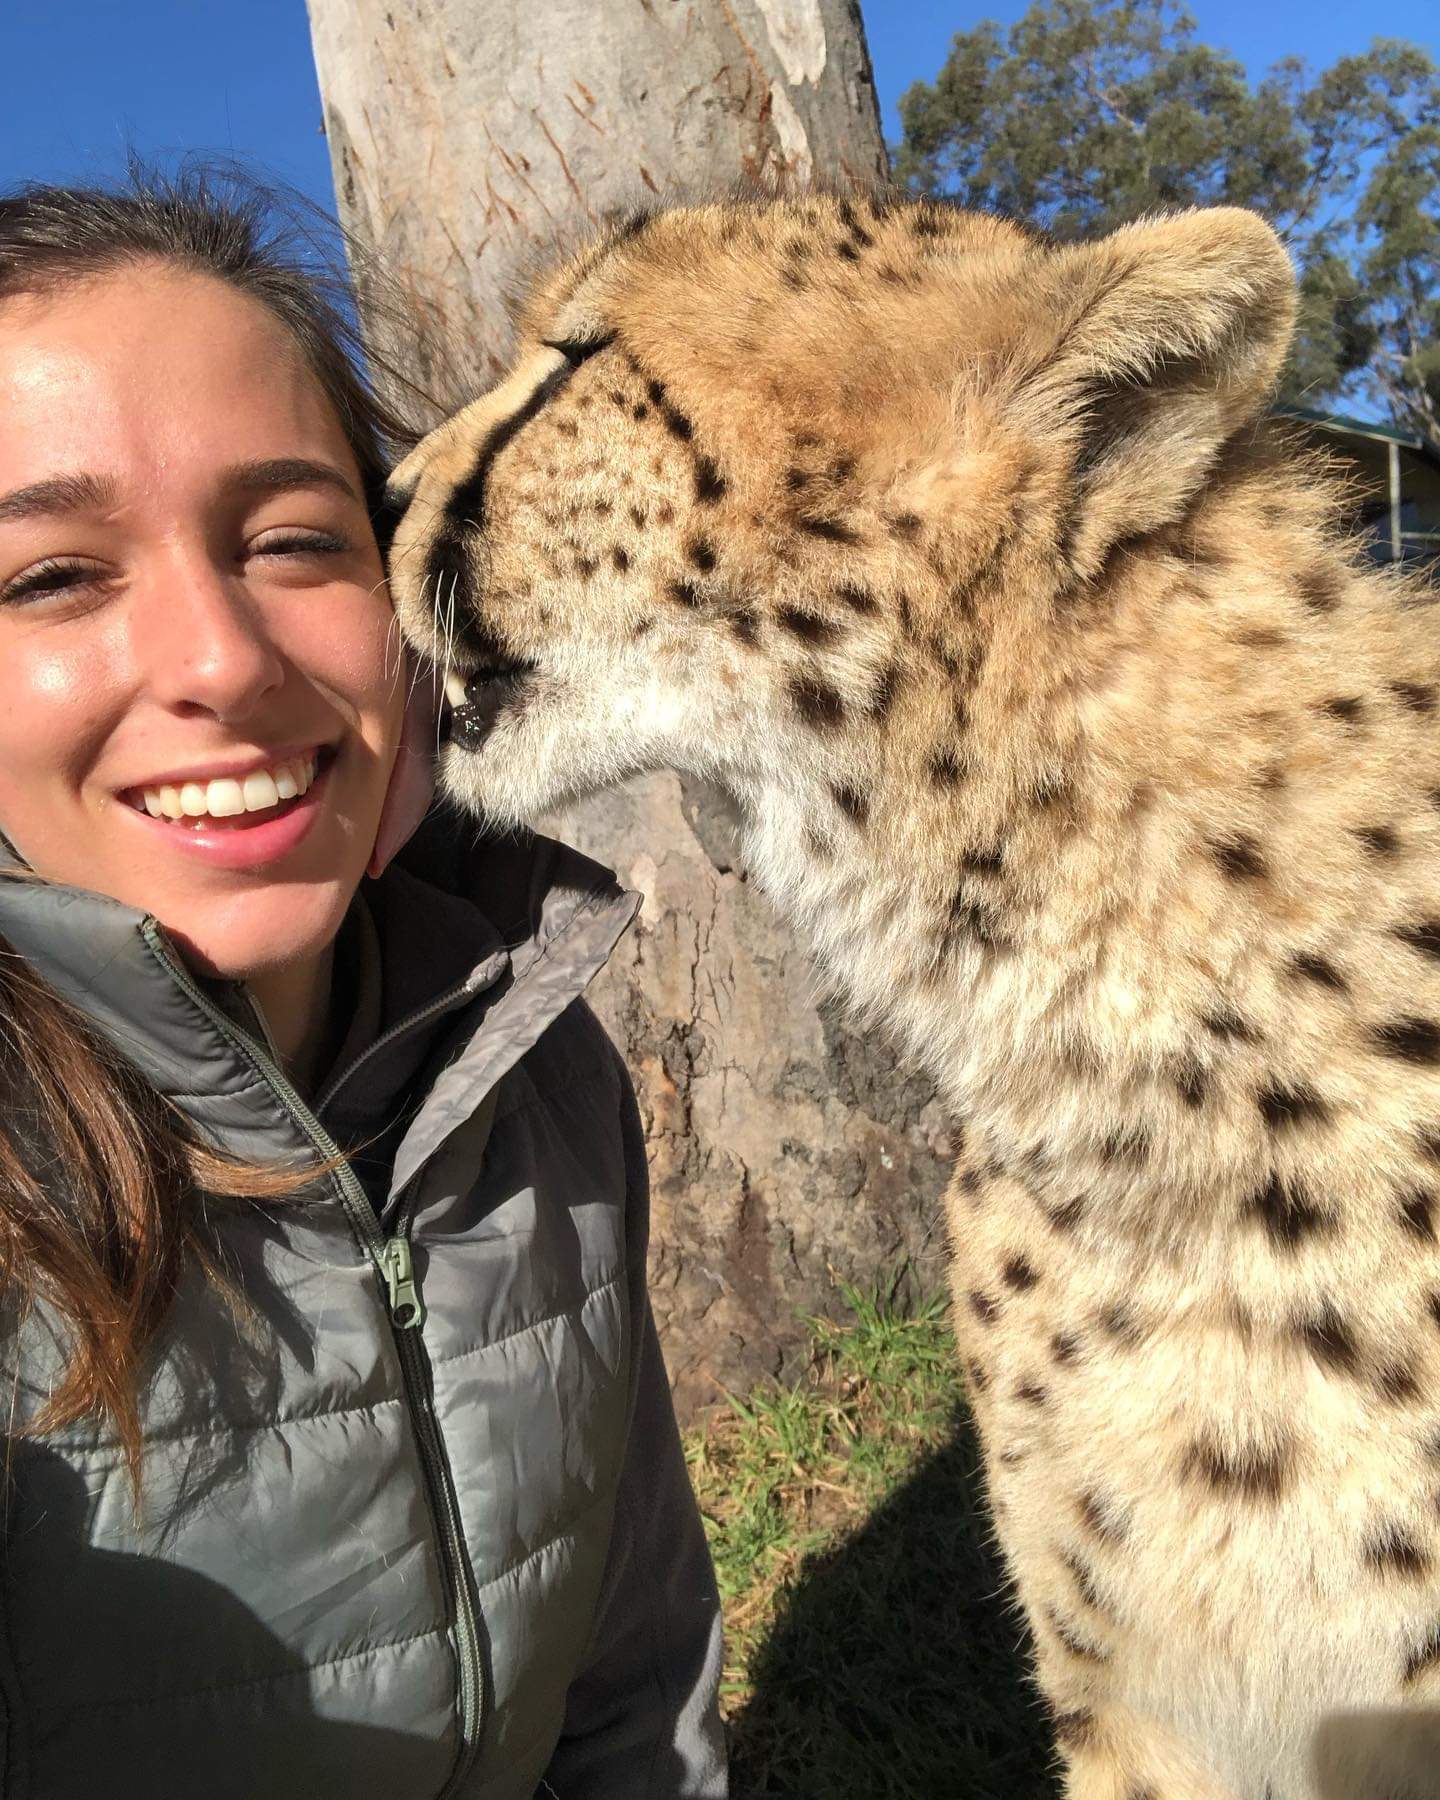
(1096, 765)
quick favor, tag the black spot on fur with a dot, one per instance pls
(1393, 1550)
(1120, 1321)
(638, 514)
(1319, 969)
(978, 1379)
(1286, 1106)
(1073, 1730)
(1288, 1213)
(1239, 857)
(1191, 1079)
(709, 482)
(1098, 1517)
(1033, 1393)
(1423, 936)
(1225, 1023)
(1416, 695)
(1417, 1215)
(851, 802)
(1076, 1645)
(684, 593)
(946, 769)
(984, 862)
(1349, 709)
(1411, 1039)
(701, 553)
(621, 558)
(1329, 1339)
(1068, 1215)
(1428, 1143)
(886, 688)
(809, 627)
(640, 410)
(1425, 1656)
(817, 703)
(1253, 1471)
(1065, 1348)
(983, 1307)
(1019, 1273)
(1320, 590)
(1129, 1145)
(858, 599)
(905, 525)
(832, 531)
(1379, 840)
(745, 626)
(1397, 1383)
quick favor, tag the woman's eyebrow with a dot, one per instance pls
(59, 494)
(277, 474)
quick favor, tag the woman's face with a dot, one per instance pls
(192, 618)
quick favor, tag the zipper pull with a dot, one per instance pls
(406, 1308)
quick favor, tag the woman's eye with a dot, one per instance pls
(298, 543)
(56, 575)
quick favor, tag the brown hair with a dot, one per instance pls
(101, 1178)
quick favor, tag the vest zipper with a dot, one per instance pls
(405, 1312)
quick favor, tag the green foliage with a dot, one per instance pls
(871, 1644)
(1089, 113)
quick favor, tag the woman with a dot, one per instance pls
(364, 1483)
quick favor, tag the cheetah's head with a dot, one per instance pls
(771, 484)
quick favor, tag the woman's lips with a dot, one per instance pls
(249, 840)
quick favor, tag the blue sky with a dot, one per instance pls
(85, 77)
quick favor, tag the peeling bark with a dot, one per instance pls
(471, 142)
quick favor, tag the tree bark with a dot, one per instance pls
(471, 142)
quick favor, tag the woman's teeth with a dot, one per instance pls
(227, 798)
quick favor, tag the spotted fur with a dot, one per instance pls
(1095, 765)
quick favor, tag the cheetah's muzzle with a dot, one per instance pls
(488, 691)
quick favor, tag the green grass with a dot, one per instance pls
(873, 1651)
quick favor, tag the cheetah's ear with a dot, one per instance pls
(1171, 335)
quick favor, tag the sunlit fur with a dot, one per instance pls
(1095, 766)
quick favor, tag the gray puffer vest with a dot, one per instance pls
(415, 1520)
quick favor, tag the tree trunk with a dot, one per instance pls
(471, 142)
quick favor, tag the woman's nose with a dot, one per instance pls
(204, 642)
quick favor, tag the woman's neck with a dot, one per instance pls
(295, 1004)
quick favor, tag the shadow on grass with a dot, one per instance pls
(898, 1669)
